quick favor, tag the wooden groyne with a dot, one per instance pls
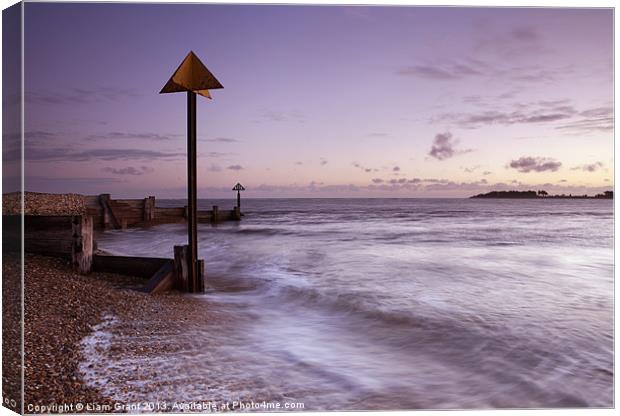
(111, 213)
(72, 237)
(65, 225)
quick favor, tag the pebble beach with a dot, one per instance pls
(63, 308)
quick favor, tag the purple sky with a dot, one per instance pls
(320, 101)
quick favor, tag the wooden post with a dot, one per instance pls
(149, 209)
(181, 272)
(123, 223)
(183, 278)
(185, 212)
(82, 243)
(214, 213)
(237, 213)
(104, 201)
(200, 280)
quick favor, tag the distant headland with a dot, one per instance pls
(540, 194)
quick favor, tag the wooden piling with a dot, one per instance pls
(181, 270)
(183, 278)
(82, 243)
(215, 214)
(108, 221)
(149, 209)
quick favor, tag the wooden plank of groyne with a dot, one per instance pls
(149, 209)
(181, 268)
(162, 280)
(183, 278)
(82, 243)
(144, 267)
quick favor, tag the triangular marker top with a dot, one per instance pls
(192, 75)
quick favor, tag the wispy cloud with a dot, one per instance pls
(222, 140)
(283, 116)
(114, 135)
(235, 167)
(518, 116)
(591, 167)
(70, 155)
(80, 95)
(599, 119)
(471, 169)
(535, 164)
(323, 162)
(445, 146)
(509, 43)
(214, 168)
(444, 71)
(129, 170)
(362, 167)
(215, 155)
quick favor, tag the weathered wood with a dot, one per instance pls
(149, 209)
(127, 265)
(181, 268)
(82, 243)
(183, 279)
(214, 214)
(200, 279)
(109, 219)
(110, 213)
(162, 280)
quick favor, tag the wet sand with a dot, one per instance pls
(63, 307)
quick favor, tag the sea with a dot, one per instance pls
(367, 304)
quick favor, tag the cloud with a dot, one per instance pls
(125, 135)
(487, 172)
(594, 120)
(215, 155)
(214, 168)
(69, 155)
(401, 180)
(283, 116)
(323, 162)
(377, 134)
(441, 71)
(471, 169)
(518, 116)
(222, 140)
(592, 167)
(130, 170)
(362, 167)
(396, 169)
(299, 163)
(80, 95)
(536, 164)
(444, 147)
(377, 180)
(235, 167)
(508, 43)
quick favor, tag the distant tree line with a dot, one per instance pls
(539, 194)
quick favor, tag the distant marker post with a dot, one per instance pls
(238, 187)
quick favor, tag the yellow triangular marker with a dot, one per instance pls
(192, 75)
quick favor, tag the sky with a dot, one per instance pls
(320, 101)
